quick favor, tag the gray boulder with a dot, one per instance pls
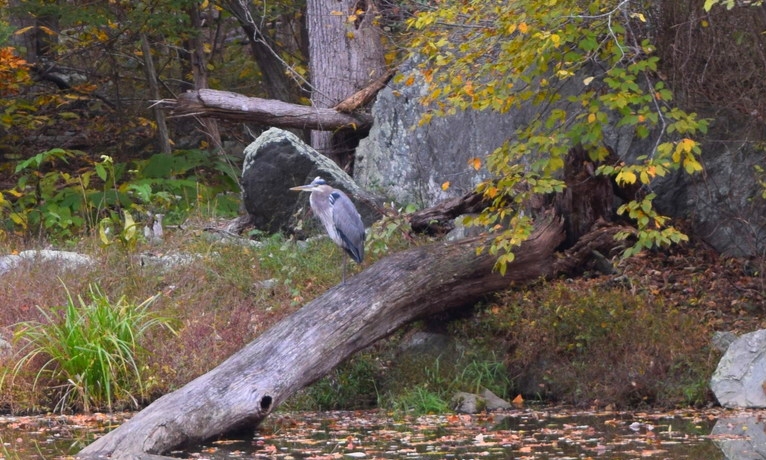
(278, 160)
(740, 379)
(408, 162)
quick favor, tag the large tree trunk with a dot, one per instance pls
(245, 388)
(345, 55)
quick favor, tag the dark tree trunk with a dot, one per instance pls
(198, 63)
(266, 54)
(245, 388)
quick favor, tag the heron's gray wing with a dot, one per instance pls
(348, 224)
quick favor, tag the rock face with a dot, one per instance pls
(740, 379)
(408, 163)
(278, 160)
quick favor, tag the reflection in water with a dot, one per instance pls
(741, 437)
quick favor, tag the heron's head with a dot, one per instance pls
(316, 184)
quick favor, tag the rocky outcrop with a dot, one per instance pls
(278, 160)
(740, 379)
(408, 162)
(412, 163)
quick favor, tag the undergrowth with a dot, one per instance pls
(603, 344)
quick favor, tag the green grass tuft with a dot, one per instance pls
(89, 353)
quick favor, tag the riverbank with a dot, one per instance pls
(637, 338)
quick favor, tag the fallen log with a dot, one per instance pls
(270, 112)
(300, 349)
(439, 219)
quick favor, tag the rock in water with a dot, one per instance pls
(740, 379)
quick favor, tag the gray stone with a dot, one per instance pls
(725, 203)
(170, 261)
(740, 379)
(408, 162)
(722, 340)
(65, 260)
(431, 344)
(278, 160)
(470, 403)
(494, 402)
(467, 403)
(741, 437)
(5, 347)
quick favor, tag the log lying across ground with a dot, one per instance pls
(300, 349)
(269, 112)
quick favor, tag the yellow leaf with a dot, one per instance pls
(587, 80)
(445, 185)
(491, 192)
(336, 13)
(591, 118)
(523, 27)
(555, 39)
(625, 177)
(686, 145)
(349, 34)
(468, 88)
(691, 165)
(518, 400)
(475, 163)
(639, 16)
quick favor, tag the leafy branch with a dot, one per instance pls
(579, 70)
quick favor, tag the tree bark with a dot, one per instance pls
(245, 388)
(199, 75)
(438, 220)
(266, 54)
(163, 135)
(233, 106)
(345, 55)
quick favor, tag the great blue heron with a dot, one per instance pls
(339, 217)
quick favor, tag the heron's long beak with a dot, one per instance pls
(302, 188)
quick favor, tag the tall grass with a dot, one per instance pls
(88, 353)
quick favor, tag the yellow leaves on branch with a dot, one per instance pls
(684, 154)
